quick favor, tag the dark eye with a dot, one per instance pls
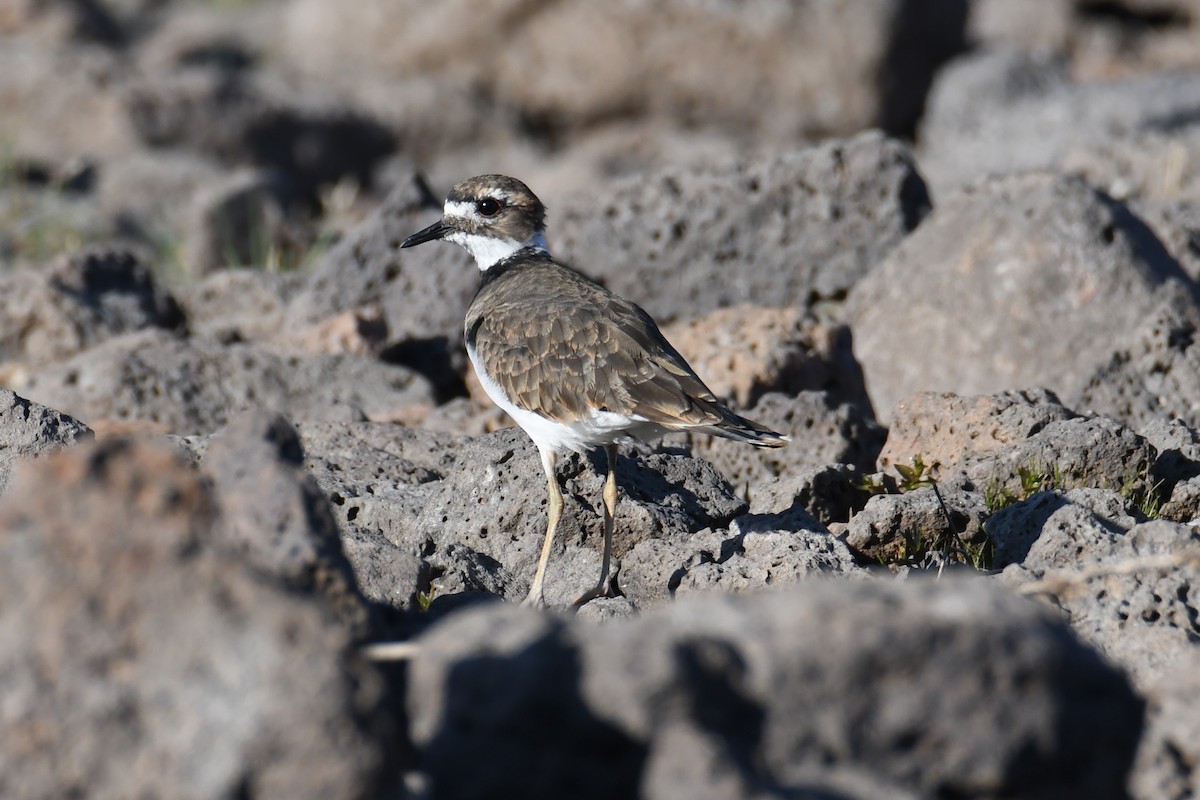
(488, 207)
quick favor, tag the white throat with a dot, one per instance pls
(489, 250)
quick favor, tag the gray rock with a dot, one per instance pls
(828, 493)
(238, 305)
(275, 518)
(1126, 592)
(83, 299)
(473, 508)
(824, 432)
(799, 226)
(913, 528)
(759, 694)
(29, 429)
(771, 72)
(1064, 523)
(491, 501)
(768, 551)
(1154, 373)
(194, 385)
(1002, 111)
(1078, 452)
(1018, 262)
(239, 221)
(309, 141)
(177, 671)
(1166, 762)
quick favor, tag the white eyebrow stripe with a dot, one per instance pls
(457, 208)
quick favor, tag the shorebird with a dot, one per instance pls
(576, 366)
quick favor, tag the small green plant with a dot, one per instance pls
(425, 599)
(910, 477)
(1146, 497)
(1033, 478)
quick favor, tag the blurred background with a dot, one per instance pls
(256, 132)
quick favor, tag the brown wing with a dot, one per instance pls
(560, 345)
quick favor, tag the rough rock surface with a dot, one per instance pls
(1128, 592)
(1041, 271)
(1156, 375)
(274, 517)
(800, 226)
(28, 429)
(744, 351)
(822, 432)
(138, 658)
(195, 385)
(766, 691)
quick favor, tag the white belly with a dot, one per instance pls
(597, 429)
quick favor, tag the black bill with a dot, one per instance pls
(435, 231)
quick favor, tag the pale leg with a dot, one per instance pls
(610, 515)
(553, 512)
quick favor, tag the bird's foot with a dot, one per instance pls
(534, 599)
(604, 589)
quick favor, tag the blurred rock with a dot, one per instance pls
(239, 305)
(1041, 271)
(55, 102)
(83, 299)
(29, 429)
(1005, 111)
(138, 658)
(237, 222)
(772, 71)
(1166, 760)
(196, 385)
(424, 292)
(770, 692)
(259, 121)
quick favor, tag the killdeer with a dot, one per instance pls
(576, 366)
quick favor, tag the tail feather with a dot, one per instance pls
(741, 429)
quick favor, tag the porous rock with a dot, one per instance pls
(276, 518)
(799, 226)
(946, 430)
(29, 429)
(1020, 280)
(84, 298)
(743, 351)
(197, 385)
(474, 508)
(1127, 592)
(767, 690)
(823, 432)
(139, 658)
(905, 528)
(1155, 371)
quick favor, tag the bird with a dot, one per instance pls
(575, 365)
